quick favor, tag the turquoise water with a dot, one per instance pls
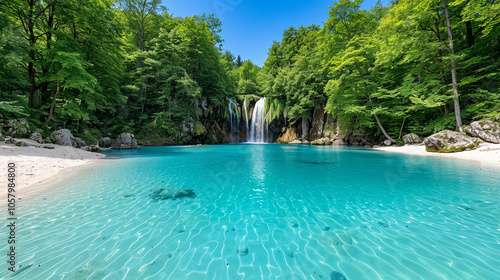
(264, 212)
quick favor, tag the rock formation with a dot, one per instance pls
(125, 141)
(412, 138)
(105, 142)
(64, 137)
(448, 141)
(487, 130)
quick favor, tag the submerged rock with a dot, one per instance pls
(335, 275)
(448, 141)
(125, 141)
(171, 193)
(487, 130)
(243, 251)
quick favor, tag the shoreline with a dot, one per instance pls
(36, 166)
(486, 154)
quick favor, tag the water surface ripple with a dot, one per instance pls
(263, 212)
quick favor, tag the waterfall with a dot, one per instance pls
(234, 120)
(258, 128)
(246, 117)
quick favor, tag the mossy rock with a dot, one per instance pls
(450, 142)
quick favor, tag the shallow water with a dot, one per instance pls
(263, 212)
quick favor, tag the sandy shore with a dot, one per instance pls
(37, 165)
(486, 154)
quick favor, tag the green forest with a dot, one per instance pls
(102, 67)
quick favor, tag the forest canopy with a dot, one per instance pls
(101, 67)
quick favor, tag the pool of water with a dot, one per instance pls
(263, 212)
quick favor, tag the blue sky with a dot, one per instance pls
(250, 26)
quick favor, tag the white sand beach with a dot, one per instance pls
(36, 165)
(487, 154)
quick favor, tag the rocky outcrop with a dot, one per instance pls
(79, 142)
(105, 142)
(448, 141)
(305, 131)
(338, 142)
(317, 123)
(17, 128)
(36, 136)
(125, 141)
(296, 142)
(10, 140)
(2, 138)
(322, 141)
(288, 134)
(388, 142)
(487, 130)
(357, 139)
(412, 138)
(330, 129)
(91, 148)
(64, 137)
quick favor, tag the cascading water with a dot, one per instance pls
(258, 128)
(234, 120)
(246, 117)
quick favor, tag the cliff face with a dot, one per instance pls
(322, 129)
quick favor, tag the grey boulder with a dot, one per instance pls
(412, 138)
(487, 130)
(36, 136)
(62, 137)
(10, 140)
(105, 142)
(125, 141)
(448, 141)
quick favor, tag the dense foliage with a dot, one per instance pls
(101, 67)
(390, 65)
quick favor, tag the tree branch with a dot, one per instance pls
(440, 63)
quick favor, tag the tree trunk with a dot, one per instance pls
(31, 63)
(383, 129)
(456, 98)
(52, 105)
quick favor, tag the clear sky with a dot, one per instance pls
(250, 26)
